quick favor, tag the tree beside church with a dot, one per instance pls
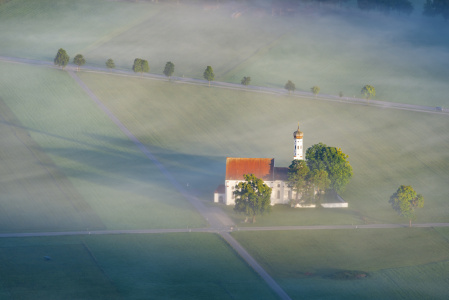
(252, 197)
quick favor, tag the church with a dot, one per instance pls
(275, 177)
(263, 168)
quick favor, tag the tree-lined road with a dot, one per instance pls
(235, 86)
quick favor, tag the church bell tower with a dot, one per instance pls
(297, 136)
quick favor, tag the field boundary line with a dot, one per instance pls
(219, 229)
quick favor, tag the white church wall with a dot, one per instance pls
(335, 205)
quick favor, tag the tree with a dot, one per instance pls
(290, 87)
(137, 66)
(319, 180)
(140, 66)
(368, 91)
(315, 90)
(209, 74)
(331, 160)
(110, 64)
(405, 200)
(61, 59)
(297, 178)
(246, 80)
(145, 66)
(79, 61)
(252, 197)
(169, 69)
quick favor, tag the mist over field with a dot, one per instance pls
(338, 47)
(99, 152)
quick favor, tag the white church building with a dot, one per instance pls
(264, 168)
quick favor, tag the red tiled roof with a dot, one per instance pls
(221, 189)
(260, 167)
(281, 173)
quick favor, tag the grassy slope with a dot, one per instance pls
(35, 194)
(401, 58)
(37, 29)
(121, 185)
(193, 38)
(170, 266)
(193, 129)
(404, 58)
(394, 258)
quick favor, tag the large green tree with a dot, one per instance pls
(319, 182)
(209, 74)
(61, 59)
(79, 61)
(290, 87)
(169, 69)
(141, 66)
(252, 197)
(405, 200)
(333, 161)
(297, 178)
(368, 91)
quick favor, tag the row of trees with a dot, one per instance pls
(368, 91)
(141, 66)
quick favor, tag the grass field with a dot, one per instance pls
(37, 29)
(169, 266)
(401, 263)
(386, 148)
(119, 185)
(338, 50)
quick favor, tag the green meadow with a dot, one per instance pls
(159, 266)
(192, 129)
(401, 263)
(65, 166)
(339, 50)
(74, 169)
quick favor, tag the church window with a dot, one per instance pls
(289, 194)
(279, 185)
(279, 195)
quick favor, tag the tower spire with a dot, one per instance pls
(297, 137)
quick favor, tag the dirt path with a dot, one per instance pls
(215, 216)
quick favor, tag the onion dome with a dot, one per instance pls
(298, 134)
